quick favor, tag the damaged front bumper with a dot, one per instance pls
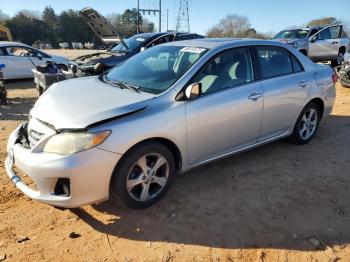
(60, 180)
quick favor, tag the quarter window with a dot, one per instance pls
(296, 65)
(230, 68)
(274, 61)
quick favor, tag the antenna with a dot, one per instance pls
(183, 18)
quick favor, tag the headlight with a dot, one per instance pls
(73, 142)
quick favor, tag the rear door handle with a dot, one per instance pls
(255, 96)
(303, 83)
(335, 42)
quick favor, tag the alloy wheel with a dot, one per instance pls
(147, 177)
(308, 124)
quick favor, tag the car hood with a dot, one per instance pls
(101, 57)
(100, 25)
(59, 59)
(81, 102)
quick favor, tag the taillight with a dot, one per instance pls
(334, 78)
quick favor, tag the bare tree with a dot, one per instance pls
(231, 26)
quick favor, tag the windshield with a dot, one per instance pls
(297, 33)
(157, 68)
(131, 43)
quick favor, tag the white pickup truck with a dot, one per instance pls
(320, 43)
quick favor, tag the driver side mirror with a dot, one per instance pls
(193, 91)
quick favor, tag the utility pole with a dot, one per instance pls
(149, 11)
(160, 15)
(138, 17)
(167, 20)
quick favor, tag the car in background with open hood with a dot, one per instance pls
(122, 49)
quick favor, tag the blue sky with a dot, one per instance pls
(264, 15)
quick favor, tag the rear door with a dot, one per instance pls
(227, 115)
(100, 25)
(325, 44)
(286, 86)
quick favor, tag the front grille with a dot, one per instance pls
(37, 130)
(34, 137)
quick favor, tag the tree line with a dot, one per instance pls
(237, 26)
(31, 27)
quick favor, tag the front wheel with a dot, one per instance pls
(144, 175)
(307, 124)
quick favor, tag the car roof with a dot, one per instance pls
(9, 43)
(212, 43)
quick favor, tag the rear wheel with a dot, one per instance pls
(144, 175)
(307, 124)
(339, 60)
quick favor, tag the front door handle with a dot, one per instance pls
(255, 96)
(302, 83)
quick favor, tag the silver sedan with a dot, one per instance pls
(173, 107)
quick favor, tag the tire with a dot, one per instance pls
(338, 61)
(134, 175)
(302, 137)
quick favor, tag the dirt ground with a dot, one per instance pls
(279, 202)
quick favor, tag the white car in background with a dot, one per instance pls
(20, 59)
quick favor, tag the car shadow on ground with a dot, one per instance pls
(17, 107)
(276, 196)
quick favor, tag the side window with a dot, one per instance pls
(17, 51)
(325, 34)
(2, 53)
(334, 32)
(228, 69)
(274, 61)
(296, 64)
(162, 40)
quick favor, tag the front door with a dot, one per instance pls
(325, 43)
(227, 115)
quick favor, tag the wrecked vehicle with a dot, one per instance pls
(94, 64)
(130, 131)
(319, 43)
(344, 71)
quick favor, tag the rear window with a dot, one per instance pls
(274, 61)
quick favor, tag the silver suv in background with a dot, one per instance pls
(319, 43)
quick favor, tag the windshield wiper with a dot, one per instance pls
(123, 85)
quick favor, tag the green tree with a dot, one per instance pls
(73, 28)
(51, 21)
(27, 28)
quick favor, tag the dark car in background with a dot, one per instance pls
(99, 62)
